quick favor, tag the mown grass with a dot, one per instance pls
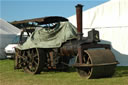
(9, 76)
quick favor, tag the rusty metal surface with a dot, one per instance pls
(69, 48)
(94, 65)
(51, 58)
(98, 63)
(95, 45)
(17, 57)
(79, 21)
(80, 54)
(67, 51)
(43, 20)
(30, 60)
(99, 56)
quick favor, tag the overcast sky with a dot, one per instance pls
(12, 10)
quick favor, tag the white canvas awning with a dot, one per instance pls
(7, 33)
(111, 20)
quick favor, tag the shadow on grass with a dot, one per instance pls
(68, 70)
(121, 71)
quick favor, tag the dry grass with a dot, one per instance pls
(9, 76)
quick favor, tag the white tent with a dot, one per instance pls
(7, 33)
(111, 19)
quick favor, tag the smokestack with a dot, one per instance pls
(79, 20)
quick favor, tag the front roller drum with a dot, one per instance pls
(97, 63)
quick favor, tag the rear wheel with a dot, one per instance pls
(18, 59)
(34, 61)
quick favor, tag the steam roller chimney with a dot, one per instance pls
(79, 21)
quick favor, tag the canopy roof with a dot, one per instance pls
(43, 20)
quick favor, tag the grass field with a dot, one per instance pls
(9, 76)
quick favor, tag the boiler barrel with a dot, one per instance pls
(69, 50)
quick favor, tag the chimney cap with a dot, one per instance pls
(79, 5)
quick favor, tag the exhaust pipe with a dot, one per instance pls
(79, 21)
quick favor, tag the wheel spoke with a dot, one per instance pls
(36, 63)
(85, 71)
(29, 54)
(33, 65)
(87, 61)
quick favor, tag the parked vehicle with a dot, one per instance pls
(10, 48)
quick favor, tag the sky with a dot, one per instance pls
(14, 10)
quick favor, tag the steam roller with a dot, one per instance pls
(90, 58)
